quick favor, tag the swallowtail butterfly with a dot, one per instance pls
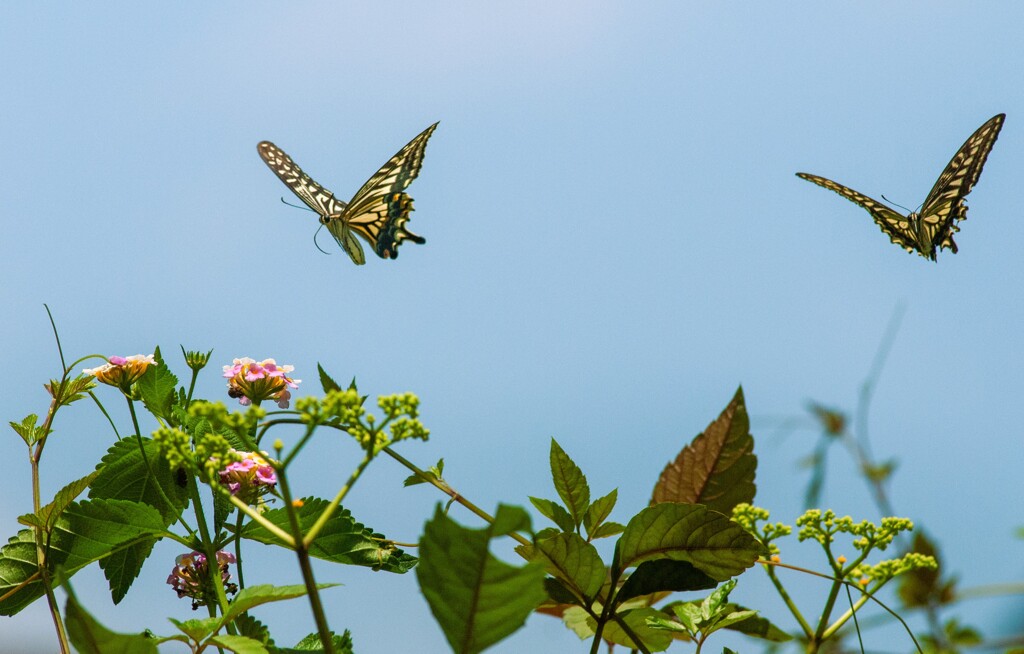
(934, 225)
(377, 212)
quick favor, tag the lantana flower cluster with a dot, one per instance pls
(249, 477)
(191, 577)
(254, 381)
(122, 372)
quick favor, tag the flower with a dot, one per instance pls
(191, 575)
(122, 372)
(250, 477)
(250, 381)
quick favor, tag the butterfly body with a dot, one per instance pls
(378, 212)
(932, 228)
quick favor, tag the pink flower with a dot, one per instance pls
(191, 573)
(249, 478)
(122, 372)
(251, 381)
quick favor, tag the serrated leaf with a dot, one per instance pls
(249, 626)
(558, 593)
(575, 561)
(477, 599)
(157, 388)
(434, 472)
(198, 629)
(663, 575)
(85, 532)
(570, 483)
(717, 469)
(554, 512)
(342, 540)
(253, 596)
(326, 382)
(584, 626)
(599, 511)
(48, 514)
(90, 637)
(687, 532)
(311, 643)
(72, 389)
(123, 475)
(27, 429)
(238, 644)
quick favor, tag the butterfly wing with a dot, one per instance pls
(315, 196)
(945, 206)
(379, 210)
(895, 225)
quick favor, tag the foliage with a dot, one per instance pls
(201, 479)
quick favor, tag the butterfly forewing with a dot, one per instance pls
(315, 196)
(894, 224)
(380, 210)
(945, 204)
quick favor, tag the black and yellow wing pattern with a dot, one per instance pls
(378, 212)
(934, 225)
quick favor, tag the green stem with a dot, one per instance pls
(302, 553)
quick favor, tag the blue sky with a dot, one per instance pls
(615, 241)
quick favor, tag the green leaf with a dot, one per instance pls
(249, 626)
(757, 627)
(326, 382)
(477, 599)
(254, 596)
(123, 475)
(198, 629)
(27, 429)
(717, 469)
(311, 643)
(585, 627)
(72, 390)
(663, 575)
(434, 472)
(607, 529)
(90, 637)
(575, 561)
(714, 602)
(157, 388)
(238, 644)
(688, 532)
(47, 516)
(923, 587)
(554, 512)
(342, 540)
(558, 592)
(599, 511)
(570, 483)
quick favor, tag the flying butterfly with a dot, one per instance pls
(934, 225)
(377, 212)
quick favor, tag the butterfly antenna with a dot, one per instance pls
(896, 204)
(314, 239)
(297, 206)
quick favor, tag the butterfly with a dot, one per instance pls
(934, 225)
(377, 212)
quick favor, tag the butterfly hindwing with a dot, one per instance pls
(933, 227)
(379, 210)
(894, 224)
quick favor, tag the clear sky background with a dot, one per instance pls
(615, 241)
